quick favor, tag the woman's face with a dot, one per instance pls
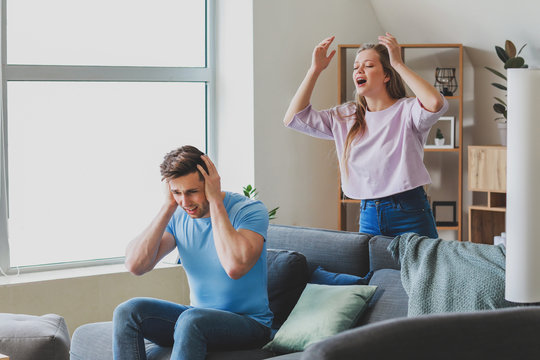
(368, 74)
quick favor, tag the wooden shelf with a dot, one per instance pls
(346, 51)
(487, 173)
(350, 201)
(454, 150)
(455, 228)
(487, 208)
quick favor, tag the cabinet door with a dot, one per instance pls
(487, 168)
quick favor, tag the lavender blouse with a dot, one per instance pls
(388, 158)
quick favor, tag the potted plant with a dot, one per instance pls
(511, 59)
(251, 192)
(439, 138)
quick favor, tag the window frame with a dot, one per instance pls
(14, 72)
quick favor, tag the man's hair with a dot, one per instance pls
(181, 162)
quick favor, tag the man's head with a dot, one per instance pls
(179, 169)
(181, 162)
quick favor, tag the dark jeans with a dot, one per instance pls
(397, 214)
(190, 331)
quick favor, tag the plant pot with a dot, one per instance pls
(439, 142)
(502, 132)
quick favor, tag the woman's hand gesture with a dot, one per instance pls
(319, 60)
(393, 47)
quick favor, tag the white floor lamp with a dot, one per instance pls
(523, 187)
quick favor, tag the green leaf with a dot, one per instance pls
(496, 72)
(272, 213)
(499, 108)
(250, 192)
(510, 48)
(499, 86)
(499, 100)
(514, 63)
(519, 52)
(501, 53)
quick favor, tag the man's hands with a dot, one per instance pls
(393, 47)
(319, 60)
(212, 181)
(169, 198)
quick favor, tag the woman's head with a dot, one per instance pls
(373, 72)
(372, 75)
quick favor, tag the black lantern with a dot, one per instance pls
(445, 81)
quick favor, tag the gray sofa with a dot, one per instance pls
(383, 331)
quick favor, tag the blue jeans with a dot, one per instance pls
(397, 214)
(191, 332)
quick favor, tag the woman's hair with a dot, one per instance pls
(181, 162)
(394, 87)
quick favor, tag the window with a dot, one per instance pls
(94, 94)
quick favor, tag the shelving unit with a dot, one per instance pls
(487, 173)
(422, 55)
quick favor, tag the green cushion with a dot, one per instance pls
(321, 311)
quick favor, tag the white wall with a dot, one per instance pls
(234, 93)
(294, 171)
(86, 299)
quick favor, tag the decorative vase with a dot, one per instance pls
(502, 132)
(439, 142)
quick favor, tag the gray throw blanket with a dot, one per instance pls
(450, 276)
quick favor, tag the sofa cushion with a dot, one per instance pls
(349, 256)
(28, 337)
(287, 278)
(389, 301)
(324, 277)
(379, 255)
(321, 311)
(94, 342)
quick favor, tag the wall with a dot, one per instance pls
(294, 171)
(85, 299)
(234, 93)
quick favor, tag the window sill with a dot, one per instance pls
(51, 275)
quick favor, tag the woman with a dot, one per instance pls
(379, 138)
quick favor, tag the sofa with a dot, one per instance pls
(29, 337)
(381, 330)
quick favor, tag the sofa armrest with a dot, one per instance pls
(494, 334)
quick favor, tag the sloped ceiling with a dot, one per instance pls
(477, 24)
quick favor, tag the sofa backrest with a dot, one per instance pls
(336, 251)
(379, 256)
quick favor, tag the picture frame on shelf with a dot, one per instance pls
(445, 125)
(444, 213)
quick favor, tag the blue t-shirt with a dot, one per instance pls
(210, 286)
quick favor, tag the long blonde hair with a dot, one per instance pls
(394, 87)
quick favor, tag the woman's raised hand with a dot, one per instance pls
(394, 50)
(320, 60)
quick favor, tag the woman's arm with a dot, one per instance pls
(319, 62)
(430, 97)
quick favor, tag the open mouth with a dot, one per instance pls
(191, 211)
(361, 81)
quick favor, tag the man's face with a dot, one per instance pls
(188, 191)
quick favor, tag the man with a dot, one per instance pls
(221, 241)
